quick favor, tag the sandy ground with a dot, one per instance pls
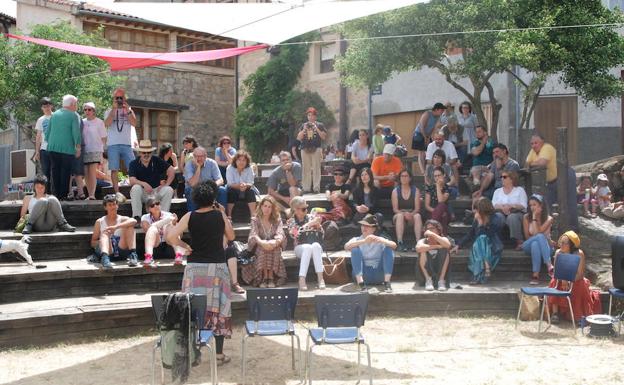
(405, 351)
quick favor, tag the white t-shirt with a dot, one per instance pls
(42, 125)
(447, 147)
(150, 220)
(517, 196)
(92, 134)
(361, 153)
(120, 130)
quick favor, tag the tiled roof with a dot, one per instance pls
(86, 6)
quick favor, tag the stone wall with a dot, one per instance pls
(209, 100)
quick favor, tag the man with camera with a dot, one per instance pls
(119, 121)
(311, 135)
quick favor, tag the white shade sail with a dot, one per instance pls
(270, 23)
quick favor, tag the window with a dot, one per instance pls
(185, 44)
(161, 127)
(129, 39)
(328, 54)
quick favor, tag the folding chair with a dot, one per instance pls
(271, 313)
(339, 319)
(201, 339)
(617, 293)
(566, 266)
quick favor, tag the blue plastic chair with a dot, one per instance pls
(617, 293)
(566, 266)
(340, 318)
(203, 338)
(271, 313)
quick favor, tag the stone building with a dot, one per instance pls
(171, 100)
(318, 75)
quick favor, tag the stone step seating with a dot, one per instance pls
(48, 246)
(85, 213)
(62, 278)
(65, 320)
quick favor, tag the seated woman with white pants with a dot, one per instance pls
(307, 233)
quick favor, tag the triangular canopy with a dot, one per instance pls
(270, 23)
(124, 60)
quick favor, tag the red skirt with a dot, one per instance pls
(584, 300)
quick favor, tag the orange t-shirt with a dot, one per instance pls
(381, 168)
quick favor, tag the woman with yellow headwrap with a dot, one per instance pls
(584, 301)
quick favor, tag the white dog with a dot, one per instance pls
(20, 247)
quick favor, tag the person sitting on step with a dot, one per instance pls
(44, 211)
(156, 223)
(406, 208)
(114, 236)
(372, 256)
(338, 194)
(240, 183)
(198, 170)
(307, 233)
(284, 183)
(145, 174)
(434, 256)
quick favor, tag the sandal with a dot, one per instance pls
(271, 284)
(81, 197)
(534, 281)
(91, 198)
(236, 288)
(223, 360)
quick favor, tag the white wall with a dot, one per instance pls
(29, 15)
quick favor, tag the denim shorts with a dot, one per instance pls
(118, 152)
(78, 165)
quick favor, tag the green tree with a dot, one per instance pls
(581, 57)
(272, 108)
(30, 71)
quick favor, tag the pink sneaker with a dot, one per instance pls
(148, 261)
(178, 259)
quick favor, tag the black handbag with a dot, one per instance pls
(308, 237)
(239, 250)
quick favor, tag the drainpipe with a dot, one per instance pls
(236, 94)
(342, 137)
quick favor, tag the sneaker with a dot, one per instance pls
(429, 285)
(148, 260)
(179, 260)
(120, 198)
(27, 229)
(106, 263)
(321, 285)
(64, 226)
(442, 285)
(133, 259)
(387, 287)
(401, 246)
(93, 259)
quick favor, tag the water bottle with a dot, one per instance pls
(587, 194)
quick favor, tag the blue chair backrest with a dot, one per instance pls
(345, 310)
(566, 266)
(198, 308)
(272, 304)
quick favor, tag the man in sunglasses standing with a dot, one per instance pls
(145, 178)
(119, 121)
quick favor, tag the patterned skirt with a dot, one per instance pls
(265, 260)
(213, 281)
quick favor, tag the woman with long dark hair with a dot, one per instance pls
(536, 225)
(365, 196)
(486, 244)
(206, 272)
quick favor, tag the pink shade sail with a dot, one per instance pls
(125, 60)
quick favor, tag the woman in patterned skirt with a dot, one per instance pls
(267, 239)
(206, 272)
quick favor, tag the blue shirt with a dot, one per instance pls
(371, 252)
(219, 153)
(209, 171)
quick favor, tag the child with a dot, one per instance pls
(390, 137)
(603, 193)
(585, 195)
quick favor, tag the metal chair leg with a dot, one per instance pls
(154, 362)
(370, 367)
(539, 325)
(571, 315)
(358, 364)
(519, 308)
(292, 351)
(610, 302)
(301, 365)
(243, 357)
(309, 362)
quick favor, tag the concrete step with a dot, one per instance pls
(76, 277)
(68, 319)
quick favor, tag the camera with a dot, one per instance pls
(310, 126)
(119, 101)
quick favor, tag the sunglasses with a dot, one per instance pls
(227, 142)
(154, 204)
(119, 98)
(146, 153)
(88, 109)
(505, 176)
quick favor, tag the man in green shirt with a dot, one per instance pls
(64, 140)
